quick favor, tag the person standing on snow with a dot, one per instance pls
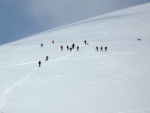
(61, 47)
(73, 45)
(42, 45)
(101, 48)
(46, 58)
(105, 48)
(39, 63)
(70, 49)
(85, 42)
(77, 48)
(67, 47)
(53, 41)
(96, 48)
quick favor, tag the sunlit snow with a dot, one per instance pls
(84, 81)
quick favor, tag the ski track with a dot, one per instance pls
(13, 86)
(18, 64)
(26, 63)
(35, 69)
(10, 89)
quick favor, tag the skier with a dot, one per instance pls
(61, 47)
(96, 48)
(46, 58)
(101, 48)
(39, 63)
(77, 48)
(85, 42)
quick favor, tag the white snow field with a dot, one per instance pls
(84, 81)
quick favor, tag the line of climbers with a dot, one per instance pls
(101, 48)
(69, 49)
(73, 46)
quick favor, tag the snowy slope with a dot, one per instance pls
(84, 81)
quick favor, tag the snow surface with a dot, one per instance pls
(84, 81)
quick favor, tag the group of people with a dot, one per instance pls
(139, 39)
(77, 47)
(70, 49)
(47, 57)
(101, 48)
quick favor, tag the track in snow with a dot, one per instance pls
(5, 94)
(26, 63)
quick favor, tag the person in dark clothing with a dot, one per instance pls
(42, 45)
(77, 48)
(46, 58)
(53, 41)
(73, 45)
(105, 48)
(70, 49)
(61, 47)
(85, 42)
(39, 63)
(67, 47)
(101, 49)
(96, 48)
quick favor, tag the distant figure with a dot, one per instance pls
(39, 63)
(70, 49)
(42, 45)
(85, 42)
(139, 39)
(73, 45)
(46, 58)
(67, 47)
(105, 48)
(77, 48)
(53, 41)
(61, 47)
(101, 49)
(96, 48)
